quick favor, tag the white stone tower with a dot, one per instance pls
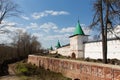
(77, 42)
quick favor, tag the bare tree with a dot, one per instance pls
(25, 44)
(35, 45)
(7, 9)
(105, 11)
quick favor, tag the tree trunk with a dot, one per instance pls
(104, 44)
(106, 16)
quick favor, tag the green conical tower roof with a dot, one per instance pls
(51, 48)
(58, 44)
(78, 30)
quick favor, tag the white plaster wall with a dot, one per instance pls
(80, 46)
(65, 51)
(52, 52)
(73, 43)
(94, 50)
(77, 46)
(114, 49)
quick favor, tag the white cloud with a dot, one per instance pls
(57, 37)
(5, 39)
(66, 30)
(15, 29)
(32, 26)
(25, 17)
(47, 33)
(48, 40)
(71, 29)
(39, 35)
(10, 32)
(6, 23)
(86, 30)
(52, 33)
(38, 15)
(48, 26)
(11, 28)
(54, 13)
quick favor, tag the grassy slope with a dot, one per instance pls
(29, 72)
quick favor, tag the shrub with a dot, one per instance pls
(87, 59)
(25, 69)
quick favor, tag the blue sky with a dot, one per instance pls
(52, 20)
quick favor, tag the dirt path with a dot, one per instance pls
(9, 77)
(12, 75)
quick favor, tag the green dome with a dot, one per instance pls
(78, 30)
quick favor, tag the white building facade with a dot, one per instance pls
(80, 47)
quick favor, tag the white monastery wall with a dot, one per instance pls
(91, 49)
(94, 49)
(77, 46)
(52, 52)
(65, 51)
